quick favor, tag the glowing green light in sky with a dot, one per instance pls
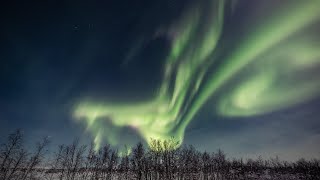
(283, 79)
(275, 46)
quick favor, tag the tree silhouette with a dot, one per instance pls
(138, 160)
(162, 160)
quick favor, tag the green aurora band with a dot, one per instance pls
(275, 51)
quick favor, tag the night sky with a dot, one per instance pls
(243, 76)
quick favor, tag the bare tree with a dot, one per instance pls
(10, 149)
(55, 163)
(12, 155)
(88, 163)
(36, 158)
(124, 164)
(78, 160)
(137, 160)
(162, 160)
(205, 164)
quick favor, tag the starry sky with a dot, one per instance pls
(243, 76)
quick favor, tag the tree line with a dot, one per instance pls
(161, 160)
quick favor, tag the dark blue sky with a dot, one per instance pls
(54, 53)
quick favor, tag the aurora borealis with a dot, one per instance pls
(163, 116)
(273, 49)
(241, 75)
